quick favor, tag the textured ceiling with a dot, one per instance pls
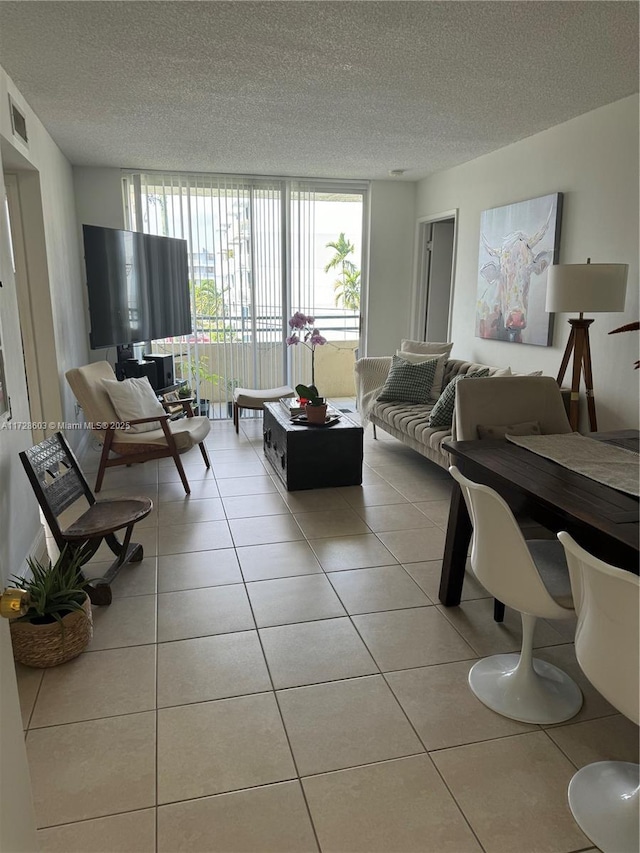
(327, 89)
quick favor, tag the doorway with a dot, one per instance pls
(435, 267)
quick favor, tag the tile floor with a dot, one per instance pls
(277, 675)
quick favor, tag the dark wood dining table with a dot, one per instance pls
(600, 518)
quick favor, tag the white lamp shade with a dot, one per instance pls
(590, 288)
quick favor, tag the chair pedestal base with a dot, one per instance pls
(544, 694)
(604, 800)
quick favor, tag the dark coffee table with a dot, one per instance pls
(308, 457)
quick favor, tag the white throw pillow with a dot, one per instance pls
(504, 371)
(418, 358)
(427, 347)
(132, 399)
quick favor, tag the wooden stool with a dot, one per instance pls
(245, 398)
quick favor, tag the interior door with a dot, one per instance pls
(433, 287)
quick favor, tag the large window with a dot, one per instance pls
(259, 249)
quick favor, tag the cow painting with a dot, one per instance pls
(512, 280)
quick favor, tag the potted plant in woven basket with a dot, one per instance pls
(58, 622)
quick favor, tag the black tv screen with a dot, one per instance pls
(138, 286)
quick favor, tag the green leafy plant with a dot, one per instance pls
(311, 394)
(54, 589)
(347, 285)
(185, 392)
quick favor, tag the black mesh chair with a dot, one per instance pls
(58, 482)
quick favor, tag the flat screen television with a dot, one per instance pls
(138, 286)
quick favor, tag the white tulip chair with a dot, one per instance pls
(530, 577)
(604, 796)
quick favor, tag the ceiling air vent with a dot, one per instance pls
(18, 121)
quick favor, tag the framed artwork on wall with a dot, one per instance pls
(518, 242)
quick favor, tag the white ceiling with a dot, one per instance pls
(326, 89)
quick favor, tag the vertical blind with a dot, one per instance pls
(252, 261)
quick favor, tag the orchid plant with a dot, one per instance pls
(303, 331)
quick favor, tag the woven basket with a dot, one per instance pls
(48, 645)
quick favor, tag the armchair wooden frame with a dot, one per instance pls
(120, 445)
(58, 482)
(141, 452)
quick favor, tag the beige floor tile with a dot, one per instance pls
(400, 806)
(437, 511)
(191, 512)
(133, 832)
(344, 723)
(406, 638)
(87, 770)
(132, 579)
(370, 478)
(311, 652)
(297, 599)
(594, 704)
(264, 530)
(221, 746)
(351, 552)
(282, 559)
(339, 522)
(145, 536)
(393, 517)
(194, 470)
(315, 500)
(125, 622)
(444, 711)
(200, 489)
(250, 506)
(29, 680)
(367, 495)
(607, 739)
(205, 535)
(272, 819)
(411, 546)
(208, 668)
(247, 486)
(198, 569)
(234, 470)
(427, 576)
(379, 588)
(203, 612)
(98, 684)
(244, 453)
(474, 621)
(512, 789)
(427, 490)
(137, 475)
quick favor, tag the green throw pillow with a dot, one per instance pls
(442, 413)
(408, 383)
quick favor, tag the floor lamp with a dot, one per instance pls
(592, 288)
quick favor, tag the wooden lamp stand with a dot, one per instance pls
(578, 344)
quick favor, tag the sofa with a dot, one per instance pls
(405, 421)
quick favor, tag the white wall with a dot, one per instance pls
(55, 274)
(593, 160)
(391, 238)
(98, 195)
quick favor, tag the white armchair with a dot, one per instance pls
(121, 446)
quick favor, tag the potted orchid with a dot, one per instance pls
(303, 331)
